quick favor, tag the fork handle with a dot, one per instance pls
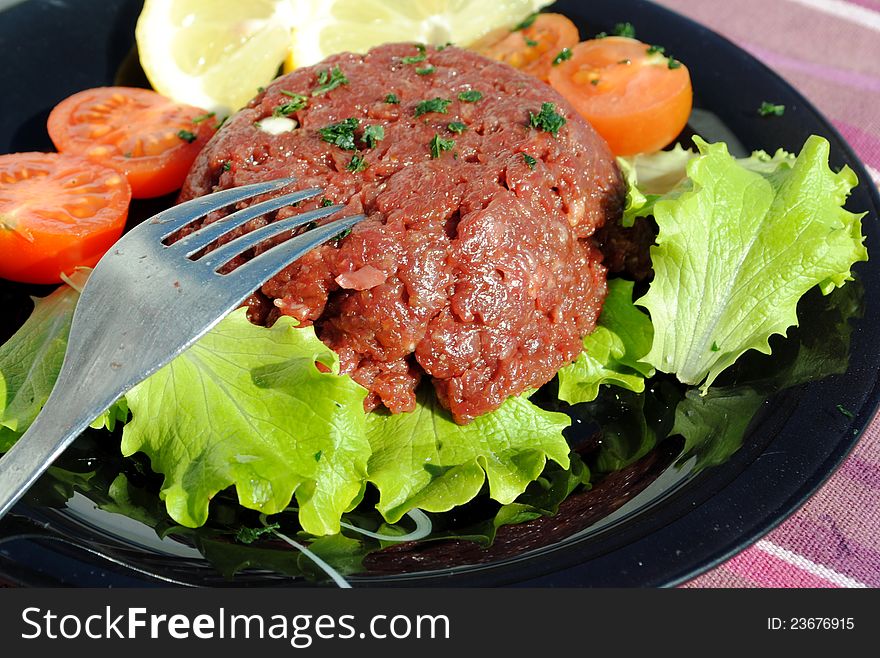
(52, 431)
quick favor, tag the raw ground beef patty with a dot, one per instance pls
(474, 266)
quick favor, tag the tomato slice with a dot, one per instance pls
(57, 212)
(634, 96)
(151, 138)
(532, 49)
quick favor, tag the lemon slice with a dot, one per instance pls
(213, 54)
(324, 27)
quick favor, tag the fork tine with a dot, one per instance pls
(275, 259)
(175, 218)
(207, 234)
(222, 255)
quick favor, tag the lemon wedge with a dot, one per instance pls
(213, 54)
(324, 27)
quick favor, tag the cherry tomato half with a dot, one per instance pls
(149, 137)
(532, 49)
(57, 212)
(634, 96)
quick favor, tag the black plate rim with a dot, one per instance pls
(808, 486)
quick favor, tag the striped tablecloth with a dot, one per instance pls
(830, 51)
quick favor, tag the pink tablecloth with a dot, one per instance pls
(830, 51)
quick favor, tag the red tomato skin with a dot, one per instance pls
(39, 237)
(107, 124)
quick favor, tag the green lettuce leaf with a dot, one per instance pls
(613, 353)
(424, 460)
(246, 407)
(31, 359)
(735, 254)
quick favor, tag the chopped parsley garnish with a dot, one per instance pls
(341, 134)
(227, 166)
(595, 81)
(620, 30)
(715, 347)
(296, 102)
(563, 55)
(769, 109)
(438, 105)
(528, 21)
(846, 412)
(329, 79)
(656, 49)
(531, 43)
(357, 163)
(203, 117)
(470, 96)
(340, 236)
(250, 535)
(530, 161)
(673, 63)
(372, 135)
(438, 144)
(326, 202)
(414, 59)
(547, 119)
(456, 126)
(392, 99)
(186, 136)
(625, 30)
(426, 71)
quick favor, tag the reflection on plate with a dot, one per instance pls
(676, 481)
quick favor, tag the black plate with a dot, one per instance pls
(651, 524)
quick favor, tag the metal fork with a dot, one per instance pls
(147, 301)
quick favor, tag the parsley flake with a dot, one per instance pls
(186, 136)
(357, 163)
(656, 49)
(296, 102)
(203, 117)
(531, 43)
(227, 166)
(326, 202)
(769, 109)
(329, 79)
(373, 135)
(673, 63)
(438, 105)
(715, 347)
(620, 30)
(563, 55)
(527, 22)
(426, 71)
(547, 119)
(414, 59)
(340, 134)
(470, 96)
(846, 412)
(456, 127)
(340, 236)
(438, 144)
(392, 99)
(530, 161)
